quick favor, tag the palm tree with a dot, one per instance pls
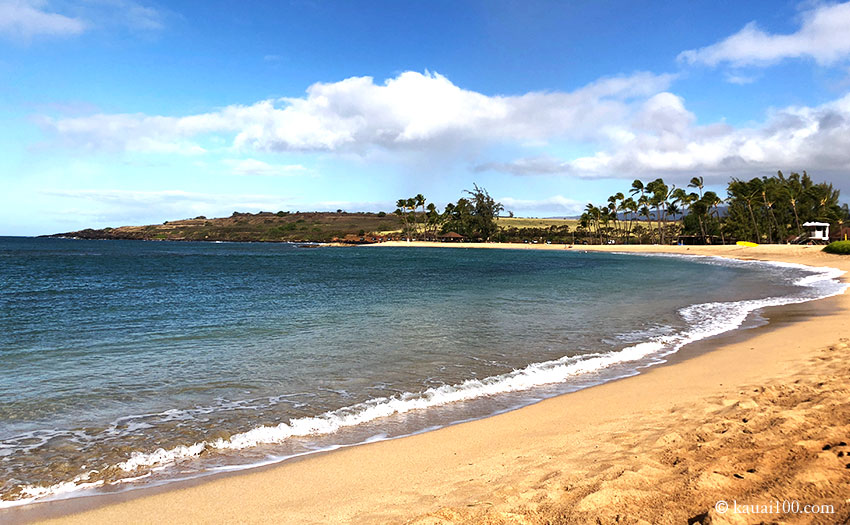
(583, 224)
(746, 193)
(639, 190)
(794, 190)
(433, 219)
(402, 205)
(410, 205)
(644, 211)
(697, 182)
(825, 197)
(769, 187)
(595, 216)
(713, 201)
(419, 201)
(660, 195)
(672, 209)
(656, 197)
(620, 200)
(680, 196)
(637, 187)
(614, 207)
(631, 206)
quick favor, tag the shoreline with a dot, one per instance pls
(435, 441)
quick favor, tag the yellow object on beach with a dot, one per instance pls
(747, 244)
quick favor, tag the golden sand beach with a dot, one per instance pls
(754, 419)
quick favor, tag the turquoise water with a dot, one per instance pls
(125, 362)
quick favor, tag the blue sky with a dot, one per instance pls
(118, 112)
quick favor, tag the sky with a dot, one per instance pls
(118, 112)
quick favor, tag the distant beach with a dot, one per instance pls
(754, 416)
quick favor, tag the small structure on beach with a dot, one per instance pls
(817, 231)
(451, 237)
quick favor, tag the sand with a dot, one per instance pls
(760, 419)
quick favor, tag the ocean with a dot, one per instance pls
(130, 363)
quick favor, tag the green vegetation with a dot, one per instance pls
(474, 217)
(771, 209)
(838, 247)
(763, 210)
(650, 214)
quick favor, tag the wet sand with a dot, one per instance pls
(760, 418)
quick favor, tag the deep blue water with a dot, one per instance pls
(231, 354)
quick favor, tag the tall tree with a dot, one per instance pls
(743, 194)
(680, 196)
(615, 203)
(794, 191)
(631, 206)
(697, 182)
(659, 195)
(485, 212)
(639, 190)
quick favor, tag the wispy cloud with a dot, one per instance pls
(529, 166)
(823, 36)
(258, 167)
(25, 19)
(89, 207)
(350, 206)
(134, 133)
(139, 207)
(127, 13)
(741, 80)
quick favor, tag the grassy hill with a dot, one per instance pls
(256, 227)
(523, 222)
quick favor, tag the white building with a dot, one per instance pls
(818, 231)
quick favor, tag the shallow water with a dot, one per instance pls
(148, 361)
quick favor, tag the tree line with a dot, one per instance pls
(763, 209)
(473, 217)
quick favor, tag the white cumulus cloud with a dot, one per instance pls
(663, 139)
(411, 112)
(631, 125)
